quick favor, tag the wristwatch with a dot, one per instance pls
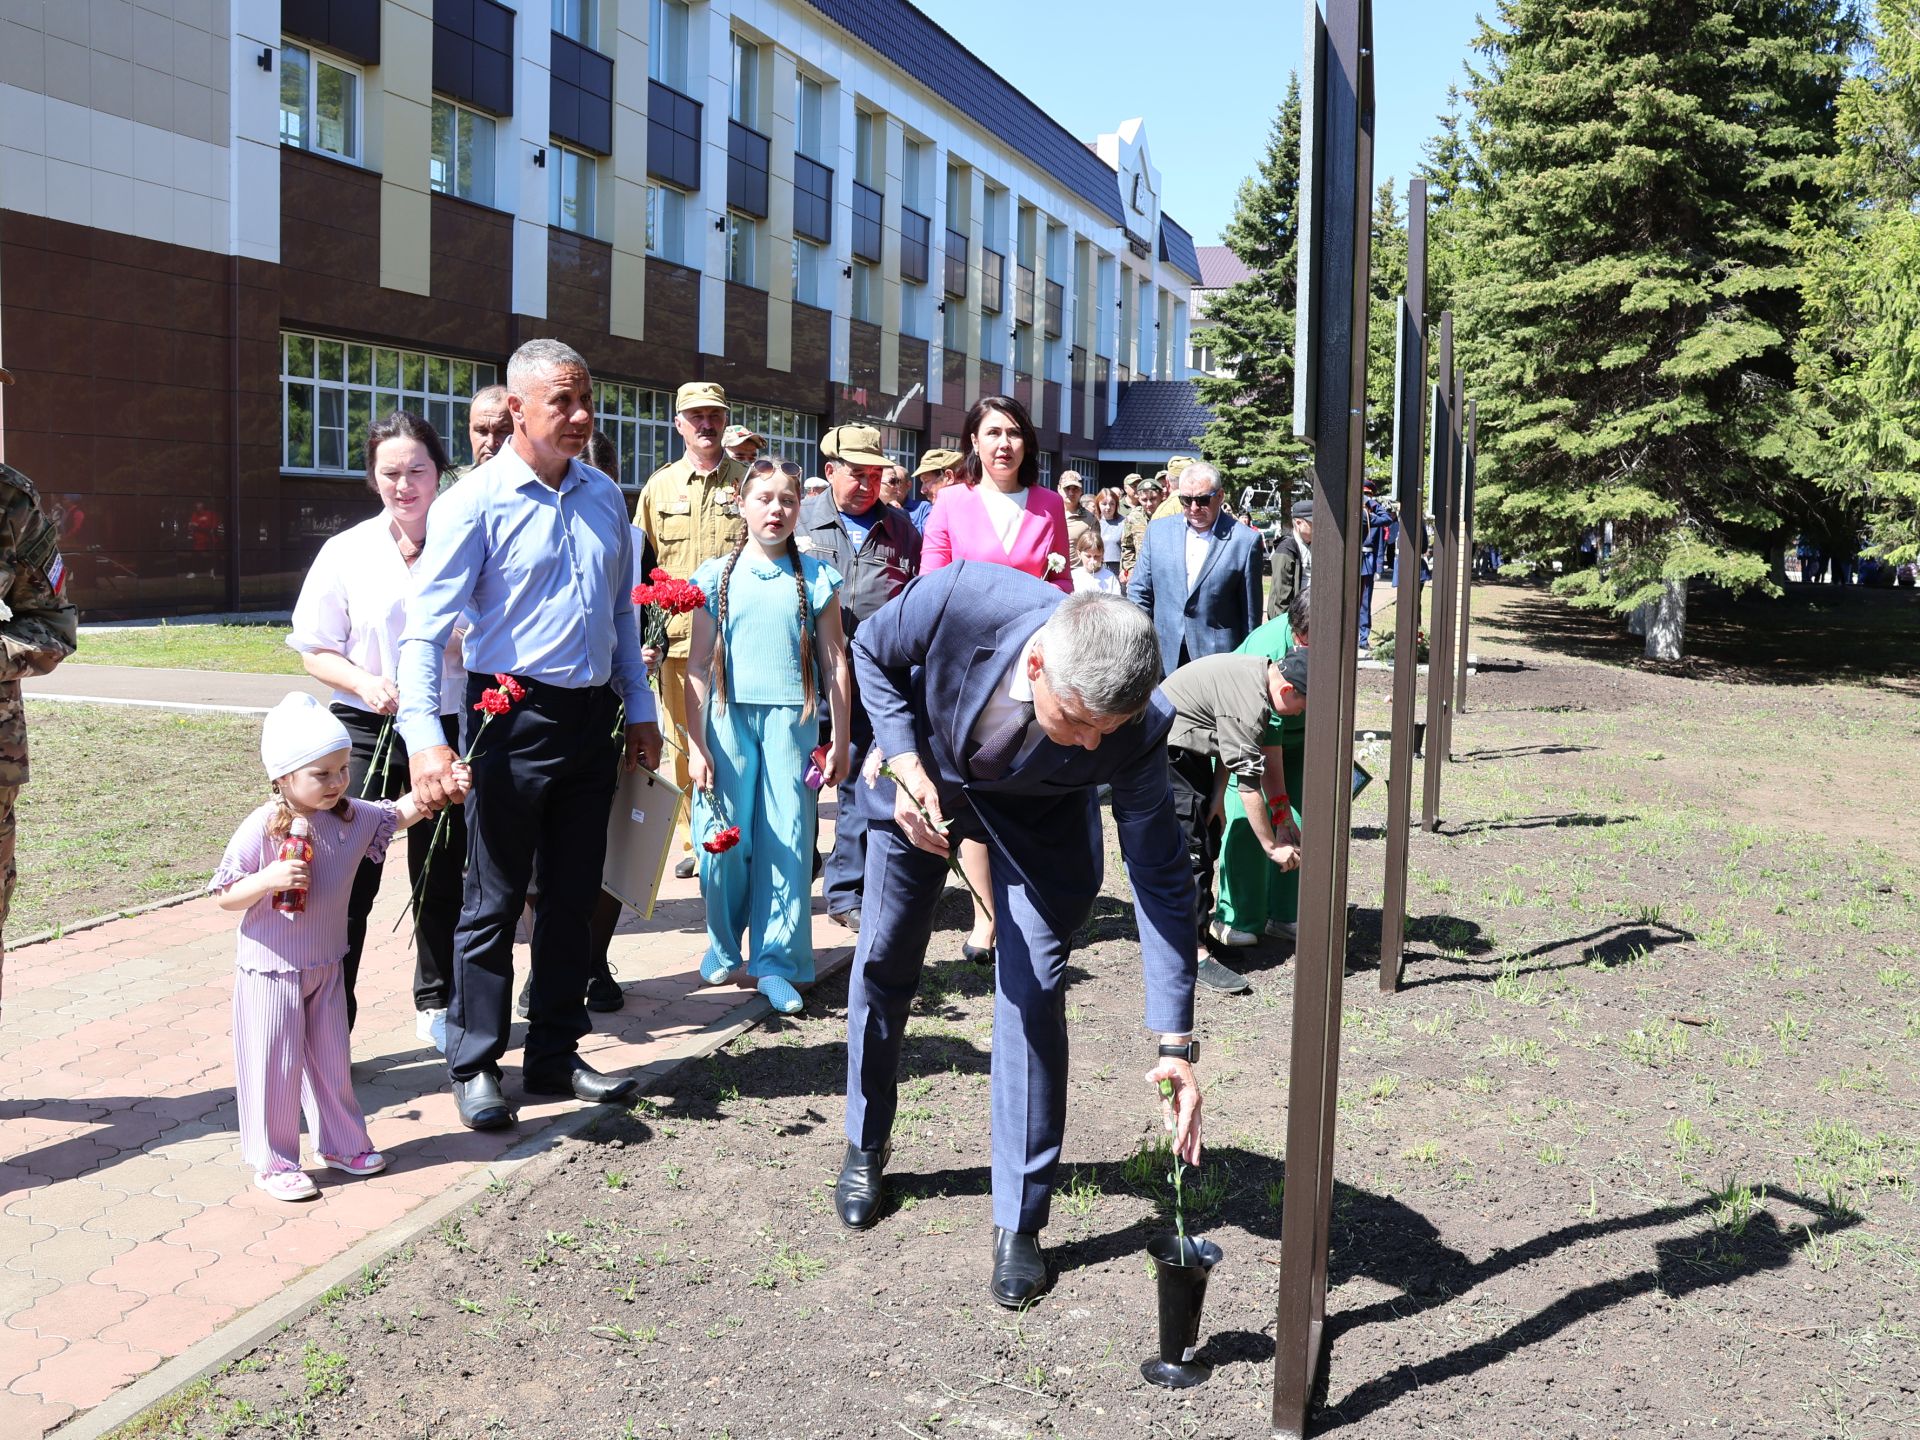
(1187, 1050)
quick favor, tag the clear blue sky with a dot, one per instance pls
(1207, 75)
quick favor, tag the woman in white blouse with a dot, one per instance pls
(347, 626)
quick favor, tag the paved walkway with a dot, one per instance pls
(169, 689)
(128, 1223)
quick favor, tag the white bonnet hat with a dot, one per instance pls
(299, 730)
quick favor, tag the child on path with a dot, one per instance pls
(289, 995)
(770, 625)
(1090, 570)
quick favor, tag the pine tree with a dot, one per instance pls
(1250, 325)
(1455, 181)
(1629, 320)
(1860, 351)
(1386, 284)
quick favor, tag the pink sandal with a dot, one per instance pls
(367, 1162)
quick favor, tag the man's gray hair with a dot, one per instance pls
(1101, 649)
(489, 392)
(537, 357)
(1200, 470)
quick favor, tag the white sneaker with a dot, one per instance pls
(1283, 929)
(430, 1026)
(290, 1185)
(1228, 936)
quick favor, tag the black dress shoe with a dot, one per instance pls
(604, 994)
(978, 954)
(685, 868)
(1216, 976)
(480, 1103)
(582, 1081)
(1019, 1269)
(849, 919)
(860, 1190)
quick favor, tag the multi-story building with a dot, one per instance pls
(1220, 268)
(233, 232)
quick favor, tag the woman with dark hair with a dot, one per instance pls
(997, 514)
(346, 626)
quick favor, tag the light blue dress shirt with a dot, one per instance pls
(546, 576)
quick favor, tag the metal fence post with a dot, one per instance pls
(1444, 459)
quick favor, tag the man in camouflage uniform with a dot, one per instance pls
(1147, 496)
(38, 630)
(690, 511)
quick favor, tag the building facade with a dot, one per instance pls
(233, 232)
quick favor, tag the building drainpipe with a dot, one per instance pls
(233, 434)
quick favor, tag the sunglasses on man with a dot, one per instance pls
(1197, 502)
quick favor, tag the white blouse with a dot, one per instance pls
(354, 602)
(1003, 510)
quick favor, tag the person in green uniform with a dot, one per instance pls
(1253, 896)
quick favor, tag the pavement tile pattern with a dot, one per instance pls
(129, 1226)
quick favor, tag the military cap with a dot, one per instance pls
(935, 461)
(1303, 509)
(740, 435)
(700, 395)
(1177, 464)
(853, 445)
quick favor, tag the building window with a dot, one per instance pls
(1023, 350)
(667, 43)
(809, 108)
(993, 348)
(332, 390)
(868, 209)
(666, 223)
(570, 189)
(462, 153)
(745, 104)
(743, 244)
(916, 312)
(319, 103)
(1046, 469)
(866, 292)
(639, 422)
(867, 129)
(578, 20)
(812, 199)
(809, 264)
(953, 333)
(790, 435)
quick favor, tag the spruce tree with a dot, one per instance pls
(1250, 325)
(1629, 319)
(1386, 284)
(1860, 351)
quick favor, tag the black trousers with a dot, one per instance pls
(543, 781)
(440, 900)
(1192, 776)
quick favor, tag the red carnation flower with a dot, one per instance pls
(493, 702)
(723, 840)
(515, 690)
(658, 573)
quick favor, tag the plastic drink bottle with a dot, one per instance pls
(297, 846)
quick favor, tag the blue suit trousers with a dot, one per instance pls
(1029, 1081)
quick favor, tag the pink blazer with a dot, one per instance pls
(959, 529)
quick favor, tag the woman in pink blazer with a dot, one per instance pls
(1000, 515)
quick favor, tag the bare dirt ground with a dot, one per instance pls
(1634, 1151)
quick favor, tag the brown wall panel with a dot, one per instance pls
(743, 370)
(579, 284)
(863, 356)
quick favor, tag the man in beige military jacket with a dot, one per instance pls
(690, 511)
(38, 629)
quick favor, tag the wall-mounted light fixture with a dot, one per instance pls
(540, 157)
(846, 272)
(719, 222)
(941, 307)
(265, 59)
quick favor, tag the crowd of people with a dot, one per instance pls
(973, 671)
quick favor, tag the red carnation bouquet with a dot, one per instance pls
(660, 600)
(725, 835)
(501, 697)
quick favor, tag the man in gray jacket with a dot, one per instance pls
(876, 549)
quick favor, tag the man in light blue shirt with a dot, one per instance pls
(535, 547)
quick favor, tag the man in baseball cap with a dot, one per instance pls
(1292, 561)
(690, 512)
(741, 443)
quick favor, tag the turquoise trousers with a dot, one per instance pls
(761, 890)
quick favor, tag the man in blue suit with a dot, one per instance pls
(1000, 706)
(1374, 550)
(1198, 574)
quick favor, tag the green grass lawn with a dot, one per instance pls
(256, 649)
(126, 806)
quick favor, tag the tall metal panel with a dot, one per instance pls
(1445, 458)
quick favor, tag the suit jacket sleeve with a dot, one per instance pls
(1153, 846)
(888, 644)
(1251, 575)
(1140, 582)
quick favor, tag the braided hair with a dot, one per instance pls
(718, 676)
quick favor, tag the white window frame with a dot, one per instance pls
(864, 303)
(557, 157)
(868, 167)
(790, 434)
(1045, 459)
(667, 223)
(348, 385)
(812, 145)
(586, 14)
(639, 422)
(310, 129)
(809, 272)
(668, 29)
(743, 99)
(453, 159)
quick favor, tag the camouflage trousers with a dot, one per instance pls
(8, 870)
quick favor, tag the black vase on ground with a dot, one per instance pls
(1180, 1269)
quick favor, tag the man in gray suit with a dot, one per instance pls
(1001, 706)
(1198, 574)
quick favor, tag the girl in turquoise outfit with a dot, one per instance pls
(770, 626)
